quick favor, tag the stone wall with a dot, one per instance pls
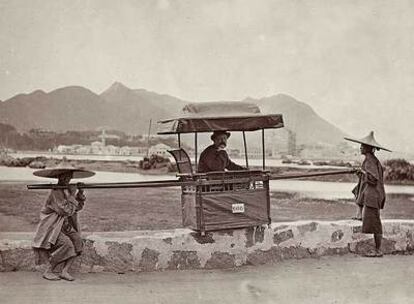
(185, 249)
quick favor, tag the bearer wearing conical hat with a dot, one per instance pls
(370, 193)
(58, 232)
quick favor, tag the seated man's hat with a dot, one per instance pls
(216, 133)
(63, 167)
(369, 141)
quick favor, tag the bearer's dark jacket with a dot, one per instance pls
(212, 159)
(370, 189)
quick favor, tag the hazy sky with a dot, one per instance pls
(344, 58)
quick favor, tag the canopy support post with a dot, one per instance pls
(195, 151)
(263, 150)
(179, 140)
(245, 150)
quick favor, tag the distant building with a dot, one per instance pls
(111, 150)
(126, 150)
(98, 148)
(84, 150)
(160, 149)
(65, 149)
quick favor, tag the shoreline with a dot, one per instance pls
(168, 168)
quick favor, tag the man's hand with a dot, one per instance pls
(72, 189)
(80, 205)
(359, 172)
(80, 190)
(80, 196)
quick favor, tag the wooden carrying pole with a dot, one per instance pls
(292, 176)
(177, 183)
(155, 183)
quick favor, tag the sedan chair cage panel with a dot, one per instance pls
(229, 199)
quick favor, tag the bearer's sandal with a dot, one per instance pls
(370, 254)
(51, 276)
(66, 276)
(379, 254)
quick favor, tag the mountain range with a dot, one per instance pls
(130, 110)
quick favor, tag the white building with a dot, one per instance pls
(159, 149)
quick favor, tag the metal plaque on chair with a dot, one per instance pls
(237, 208)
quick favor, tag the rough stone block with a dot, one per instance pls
(388, 246)
(259, 257)
(221, 260)
(364, 246)
(410, 241)
(149, 260)
(294, 252)
(184, 260)
(119, 257)
(89, 258)
(322, 251)
(18, 259)
(307, 227)
(357, 229)
(392, 228)
(282, 236)
(167, 240)
(337, 236)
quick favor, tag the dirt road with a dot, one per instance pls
(346, 279)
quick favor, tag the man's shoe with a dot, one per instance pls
(370, 254)
(51, 276)
(66, 276)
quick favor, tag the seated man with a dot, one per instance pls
(214, 157)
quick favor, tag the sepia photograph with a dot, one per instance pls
(216, 151)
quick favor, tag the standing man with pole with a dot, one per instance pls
(370, 193)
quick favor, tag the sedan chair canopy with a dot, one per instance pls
(219, 116)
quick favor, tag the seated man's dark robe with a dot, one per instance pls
(212, 159)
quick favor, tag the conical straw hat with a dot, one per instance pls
(368, 140)
(63, 168)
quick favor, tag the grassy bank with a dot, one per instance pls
(147, 208)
